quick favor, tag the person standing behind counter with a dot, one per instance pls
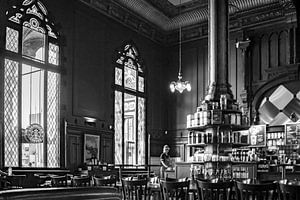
(165, 161)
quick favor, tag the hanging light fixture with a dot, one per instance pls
(180, 85)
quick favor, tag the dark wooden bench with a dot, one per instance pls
(63, 193)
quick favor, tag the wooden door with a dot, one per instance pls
(107, 150)
(74, 151)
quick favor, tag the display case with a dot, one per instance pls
(214, 130)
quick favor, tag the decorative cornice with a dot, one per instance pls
(144, 18)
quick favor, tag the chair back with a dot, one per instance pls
(263, 191)
(214, 191)
(59, 181)
(78, 181)
(16, 181)
(289, 192)
(175, 190)
(134, 189)
(109, 181)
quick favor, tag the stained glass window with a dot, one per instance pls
(130, 78)
(118, 76)
(141, 84)
(118, 127)
(11, 125)
(141, 130)
(130, 108)
(53, 139)
(36, 49)
(53, 54)
(31, 92)
(12, 38)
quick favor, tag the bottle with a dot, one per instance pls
(223, 101)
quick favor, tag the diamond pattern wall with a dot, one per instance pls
(278, 105)
(281, 97)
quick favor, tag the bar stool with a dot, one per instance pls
(214, 191)
(259, 191)
(134, 189)
(289, 191)
(178, 190)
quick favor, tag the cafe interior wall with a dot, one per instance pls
(270, 60)
(90, 39)
(89, 44)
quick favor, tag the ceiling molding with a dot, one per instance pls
(152, 14)
(143, 17)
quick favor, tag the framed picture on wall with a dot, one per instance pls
(91, 148)
(292, 132)
(258, 135)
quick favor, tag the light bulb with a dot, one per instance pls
(172, 87)
(188, 87)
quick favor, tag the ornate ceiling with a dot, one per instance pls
(158, 19)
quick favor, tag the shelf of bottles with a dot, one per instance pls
(275, 138)
(215, 129)
(211, 113)
(281, 151)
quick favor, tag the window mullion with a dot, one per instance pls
(123, 120)
(136, 130)
(45, 119)
(123, 131)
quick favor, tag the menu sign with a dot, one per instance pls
(257, 135)
(292, 133)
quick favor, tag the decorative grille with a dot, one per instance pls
(12, 38)
(141, 84)
(118, 76)
(141, 131)
(53, 119)
(53, 54)
(118, 127)
(11, 126)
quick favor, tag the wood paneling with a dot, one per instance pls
(107, 149)
(74, 151)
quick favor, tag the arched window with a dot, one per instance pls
(130, 107)
(31, 87)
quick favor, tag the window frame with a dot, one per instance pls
(140, 72)
(45, 65)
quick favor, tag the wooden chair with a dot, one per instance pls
(172, 190)
(105, 181)
(15, 181)
(214, 191)
(134, 189)
(84, 181)
(59, 181)
(289, 192)
(263, 191)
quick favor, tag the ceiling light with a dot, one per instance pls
(180, 85)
